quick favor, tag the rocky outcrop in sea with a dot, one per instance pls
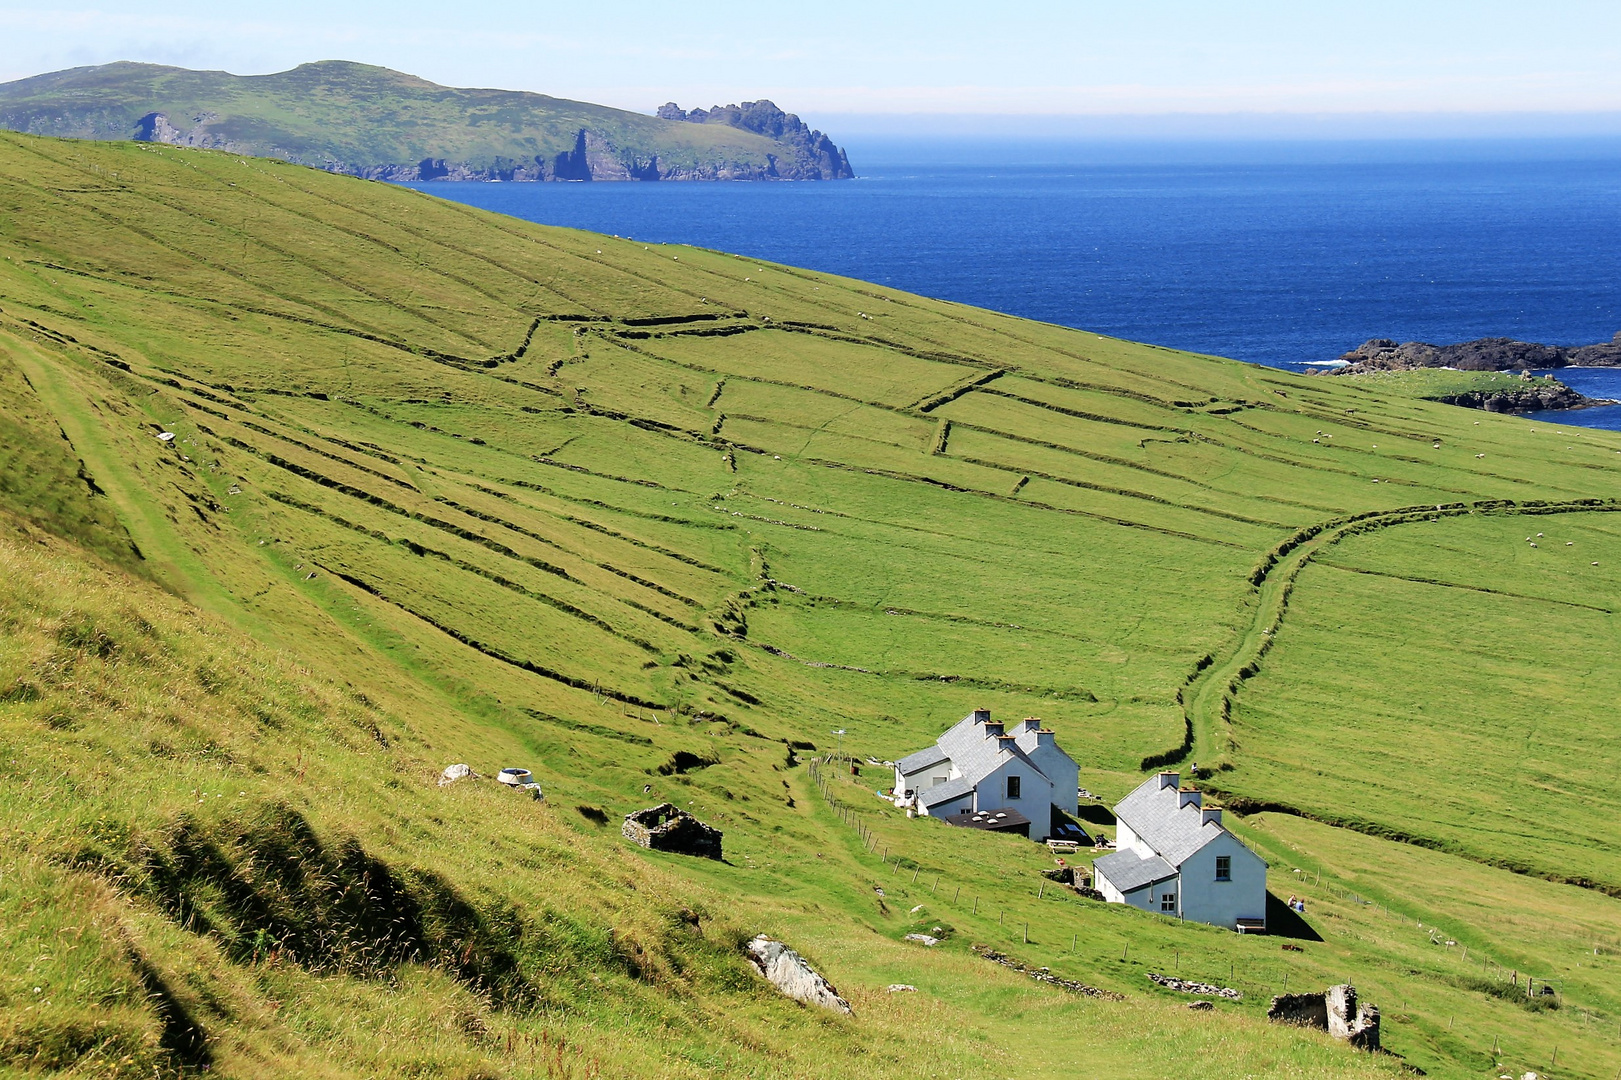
(1482, 354)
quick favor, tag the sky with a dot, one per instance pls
(1302, 64)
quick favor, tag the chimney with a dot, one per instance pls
(1186, 796)
(1168, 779)
(982, 716)
(1209, 815)
(1032, 723)
(1044, 737)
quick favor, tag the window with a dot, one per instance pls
(1013, 787)
(1224, 868)
(1167, 902)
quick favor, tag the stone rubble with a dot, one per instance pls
(1188, 987)
(1045, 975)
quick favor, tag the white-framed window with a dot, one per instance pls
(1224, 868)
(1167, 902)
(1013, 787)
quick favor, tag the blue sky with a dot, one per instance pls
(836, 58)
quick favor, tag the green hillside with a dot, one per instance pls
(653, 522)
(381, 124)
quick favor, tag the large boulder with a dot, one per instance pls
(788, 972)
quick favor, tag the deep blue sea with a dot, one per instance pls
(1279, 254)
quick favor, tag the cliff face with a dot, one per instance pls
(1483, 354)
(816, 157)
(386, 125)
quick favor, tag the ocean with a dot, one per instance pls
(1280, 254)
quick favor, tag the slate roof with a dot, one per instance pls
(1127, 870)
(977, 755)
(945, 792)
(972, 753)
(921, 760)
(1174, 833)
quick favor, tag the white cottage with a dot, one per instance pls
(978, 769)
(1174, 856)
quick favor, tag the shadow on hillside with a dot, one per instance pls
(271, 891)
(1283, 922)
(181, 1036)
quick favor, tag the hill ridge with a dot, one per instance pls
(381, 124)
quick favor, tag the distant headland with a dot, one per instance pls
(386, 125)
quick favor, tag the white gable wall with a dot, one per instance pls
(1056, 765)
(1223, 903)
(1035, 795)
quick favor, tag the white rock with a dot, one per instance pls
(901, 988)
(923, 939)
(455, 773)
(917, 909)
(788, 972)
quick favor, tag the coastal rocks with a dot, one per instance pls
(1482, 354)
(790, 974)
(1531, 399)
(1335, 1011)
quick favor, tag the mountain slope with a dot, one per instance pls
(385, 125)
(653, 522)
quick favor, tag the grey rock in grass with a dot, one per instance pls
(456, 772)
(789, 973)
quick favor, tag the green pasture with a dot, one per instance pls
(655, 522)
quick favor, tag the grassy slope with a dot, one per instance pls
(577, 503)
(358, 114)
(1442, 382)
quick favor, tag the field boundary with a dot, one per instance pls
(1208, 695)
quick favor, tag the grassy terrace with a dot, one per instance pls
(451, 487)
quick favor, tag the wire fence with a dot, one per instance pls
(1016, 925)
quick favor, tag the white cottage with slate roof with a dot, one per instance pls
(1174, 856)
(978, 767)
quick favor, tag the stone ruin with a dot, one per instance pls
(667, 827)
(1335, 1011)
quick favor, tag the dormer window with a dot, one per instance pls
(1013, 787)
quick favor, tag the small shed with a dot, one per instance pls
(1008, 821)
(667, 827)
